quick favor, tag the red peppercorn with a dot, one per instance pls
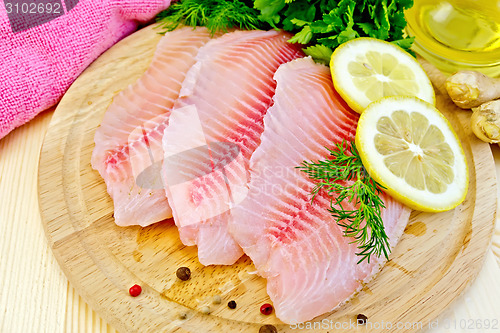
(266, 309)
(135, 290)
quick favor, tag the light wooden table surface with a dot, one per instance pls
(35, 296)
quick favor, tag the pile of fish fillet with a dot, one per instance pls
(211, 135)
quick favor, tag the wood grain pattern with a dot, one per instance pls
(28, 271)
(495, 149)
(439, 255)
(469, 307)
(58, 308)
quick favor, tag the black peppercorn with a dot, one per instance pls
(268, 329)
(231, 304)
(183, 273)
(361, 319)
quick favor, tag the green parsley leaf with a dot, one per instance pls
(331, 23)
(302, 37)
(320, 53)
(269, 10)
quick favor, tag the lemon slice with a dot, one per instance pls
(365, 70)
(410, 148)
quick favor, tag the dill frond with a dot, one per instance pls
(216, 15)
(345, 179)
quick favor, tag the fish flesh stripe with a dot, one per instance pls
(128, 150)
(227, 93)
(310, 267)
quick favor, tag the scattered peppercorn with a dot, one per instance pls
(266, 309)
(361, 319)
(183, 273)
(268, 329)
(205, 310)
(135, 290)
(216, 299)
(183, 315)
(231, 304)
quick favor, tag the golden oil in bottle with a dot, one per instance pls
(457, 34)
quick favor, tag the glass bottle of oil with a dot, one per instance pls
(457, 34)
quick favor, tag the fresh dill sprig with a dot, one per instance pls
(216, 15)
(345, 179)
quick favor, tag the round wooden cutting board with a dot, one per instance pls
(438, 256)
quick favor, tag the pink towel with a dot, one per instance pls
(39, 61)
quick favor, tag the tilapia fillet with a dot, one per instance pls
(223, 101)
(128, 150)
(310, 267)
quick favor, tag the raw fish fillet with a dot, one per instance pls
(297, 246)
(215, 127)
(128, 151)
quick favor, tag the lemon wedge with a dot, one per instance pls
(365, 70)
(410, 148)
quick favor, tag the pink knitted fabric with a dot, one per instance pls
(39, 64)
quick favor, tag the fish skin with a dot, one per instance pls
(310, 267)
(129, 138)
(227, 92)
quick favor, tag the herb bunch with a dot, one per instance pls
(216, 15)
(345, 179)
(321, 25)
(325, 24)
